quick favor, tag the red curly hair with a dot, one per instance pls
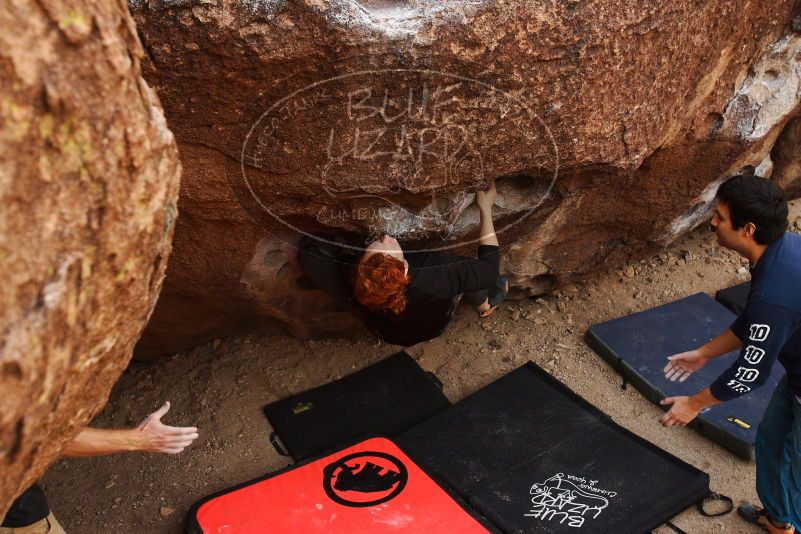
(380, 283)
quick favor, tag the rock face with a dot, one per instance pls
(89, 178)
(607, 125)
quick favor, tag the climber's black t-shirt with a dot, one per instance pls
(29, 508)
(436, 278)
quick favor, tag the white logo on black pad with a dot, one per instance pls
(568, 500)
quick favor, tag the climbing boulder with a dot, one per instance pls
(89, 178)
(607, 126)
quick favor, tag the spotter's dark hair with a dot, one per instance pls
(756, 200)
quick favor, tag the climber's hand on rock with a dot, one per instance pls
(154, 436)
(486, 198)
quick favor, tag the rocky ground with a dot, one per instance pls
(221, 387)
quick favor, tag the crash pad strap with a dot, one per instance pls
(715, 497)
(700, 505)
(675, 528)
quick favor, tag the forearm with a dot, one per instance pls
(722, 344)
(98, 442)
(486, 228)
(702, 400)
(765, 329)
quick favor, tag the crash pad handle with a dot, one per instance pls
(715, 497)
(711, 496)
(433, 377)
(275, 441)
(625, 384)
(674, 528)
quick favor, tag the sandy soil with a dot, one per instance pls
(221, 387)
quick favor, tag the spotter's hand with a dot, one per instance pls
(154, 436)
(681, 412)
(681, 366)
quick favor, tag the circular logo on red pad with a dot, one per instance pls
(364, 479)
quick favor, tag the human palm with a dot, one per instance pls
(681, 366)
(155, 436)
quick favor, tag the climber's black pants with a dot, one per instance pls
(328, 267)
(476, 298)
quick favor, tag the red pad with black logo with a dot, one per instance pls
(369, 487)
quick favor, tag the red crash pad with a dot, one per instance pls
(369, 487)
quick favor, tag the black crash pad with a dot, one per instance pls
(638, 345)
(734, 298)
(385, 399)
(532, 456)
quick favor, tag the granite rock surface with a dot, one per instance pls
(89, 179)
(607, 126)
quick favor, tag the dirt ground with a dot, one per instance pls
(220, 387)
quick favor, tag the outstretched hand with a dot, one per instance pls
(681, 366)
(154, 436)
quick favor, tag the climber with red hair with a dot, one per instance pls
(409, 297)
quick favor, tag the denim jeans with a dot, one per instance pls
(778, 456)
